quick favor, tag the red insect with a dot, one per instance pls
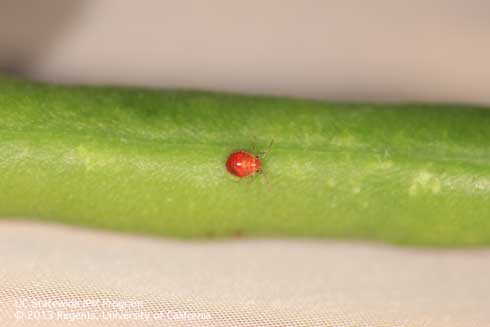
(244, 164)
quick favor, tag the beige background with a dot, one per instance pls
(329, 49)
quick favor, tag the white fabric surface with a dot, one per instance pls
(237, 282)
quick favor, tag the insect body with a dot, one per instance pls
(243, 164)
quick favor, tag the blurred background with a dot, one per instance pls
(378, 50)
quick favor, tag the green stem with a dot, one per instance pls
(153, 162)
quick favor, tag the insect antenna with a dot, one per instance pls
(266, 152)
(254, 144)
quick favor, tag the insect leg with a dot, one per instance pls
(266, 180)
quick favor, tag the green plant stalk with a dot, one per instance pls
(150, 161)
